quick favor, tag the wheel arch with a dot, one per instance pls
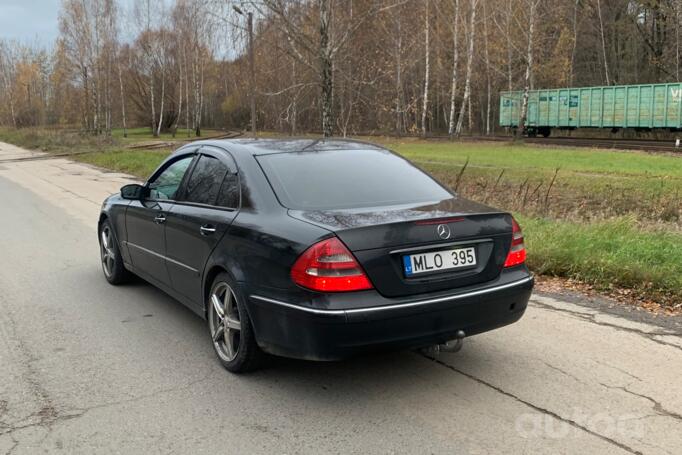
(209, 276)
(103, 216)
(213, 270)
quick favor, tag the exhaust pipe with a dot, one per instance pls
(453, 345)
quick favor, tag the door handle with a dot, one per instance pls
(160, 218)
(207, 229)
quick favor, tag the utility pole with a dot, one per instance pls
(252, 71)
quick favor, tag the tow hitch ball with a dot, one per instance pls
(453, 345)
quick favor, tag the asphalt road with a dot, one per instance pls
(86, 367)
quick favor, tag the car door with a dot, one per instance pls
(204, 211)
(145, 219)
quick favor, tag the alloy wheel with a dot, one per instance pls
(224, 321)
(107, 251)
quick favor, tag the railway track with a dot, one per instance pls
(174, 144)
(616, 144)
(601, 143)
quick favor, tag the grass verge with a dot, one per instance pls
(608, 254)
(140, 163)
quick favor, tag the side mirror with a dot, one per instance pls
(133, 191)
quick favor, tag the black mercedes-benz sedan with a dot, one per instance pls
(315, 249)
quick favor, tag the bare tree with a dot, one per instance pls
(427, 67)
(7, 75)
(161, 57)
(455, 63)
(470, 58)
(574, 45)
(487, 71)
(318, 54)
(532, 13)
(603, 42)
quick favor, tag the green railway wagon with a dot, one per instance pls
(641, 107)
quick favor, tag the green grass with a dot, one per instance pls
(590, 184)
(529, 158)
(140, 163)
(609, 254)
(56, 141)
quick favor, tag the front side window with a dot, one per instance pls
(204, 183)
(166, 184)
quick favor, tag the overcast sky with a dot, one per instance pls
(35, 21)
(29, 21)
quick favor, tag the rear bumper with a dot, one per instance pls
(291, 330)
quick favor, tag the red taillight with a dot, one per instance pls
(517, 252)
(328, 266)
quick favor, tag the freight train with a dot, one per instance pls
(640, 107)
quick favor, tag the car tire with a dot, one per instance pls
(230, 328)
(110, 255)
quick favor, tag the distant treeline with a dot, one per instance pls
(332, 66)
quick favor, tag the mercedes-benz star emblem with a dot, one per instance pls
(443, 231)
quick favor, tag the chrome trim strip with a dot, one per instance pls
(437, 246)
(397, 306)
(161, 256)
(298, 307)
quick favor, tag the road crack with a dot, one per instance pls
(608, 365)
(535, 407)
(592, 318)
(564, 372)
(657, 406)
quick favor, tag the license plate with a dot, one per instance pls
(435, 261)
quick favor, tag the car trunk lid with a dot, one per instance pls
(384, 239)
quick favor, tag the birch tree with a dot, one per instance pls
(487, 70)
(574, 45)
(677, 5)
(427, 67)
(7, 76)
(532, 13)
(603, 42)
(470, 58)
(317, 52)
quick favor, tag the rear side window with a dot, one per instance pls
(204, 183)
(228, 196)
(342, 179)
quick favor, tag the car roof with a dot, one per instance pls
(262, 146)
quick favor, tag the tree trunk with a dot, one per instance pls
(470, 58)
(487, 69)
(326, 82)
(427, 70)
(603, 43)
(455, 62)
(184, 59)
(575, 41)
(123, 101)
(151, 96)
(200, 98)
(399, 79)
(510, 51)
(163, 96)
(179, 114)
(529, 67)
(677, 40)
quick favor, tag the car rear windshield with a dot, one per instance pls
(343, 179)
